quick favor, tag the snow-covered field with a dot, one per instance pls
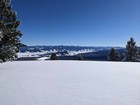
(69, 83)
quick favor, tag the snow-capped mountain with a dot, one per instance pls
(63, 52)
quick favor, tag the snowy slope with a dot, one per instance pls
(69, 83)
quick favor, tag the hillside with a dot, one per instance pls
(69, 83)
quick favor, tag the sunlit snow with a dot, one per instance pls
(69, 83)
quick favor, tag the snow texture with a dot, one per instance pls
(69, 83)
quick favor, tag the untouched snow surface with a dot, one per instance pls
(69, 83)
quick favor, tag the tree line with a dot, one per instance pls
(132, 53)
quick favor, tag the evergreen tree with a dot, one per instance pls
(53, 56)
(131, 51)
(113, 55)
(80, 57)
(9, 33)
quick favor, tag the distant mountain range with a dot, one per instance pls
(63, 48)
(67, 52)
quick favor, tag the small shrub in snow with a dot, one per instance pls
(80, 57)
(53, 56)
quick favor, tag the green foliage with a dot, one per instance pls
(131, 51)
(113, 55)
(9, 36)
(53, 56)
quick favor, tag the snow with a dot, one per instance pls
(71, 53)
(43, 58)
(69, 83)
(31, 54)
(37, 54)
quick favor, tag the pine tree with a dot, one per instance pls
(9, 33)
(53, 56)
(80, 57)
(131, 51)
(113, 55)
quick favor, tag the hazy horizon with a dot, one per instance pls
(76, 45)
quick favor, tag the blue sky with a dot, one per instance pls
(79, 22)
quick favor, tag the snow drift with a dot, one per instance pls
(69, 83)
